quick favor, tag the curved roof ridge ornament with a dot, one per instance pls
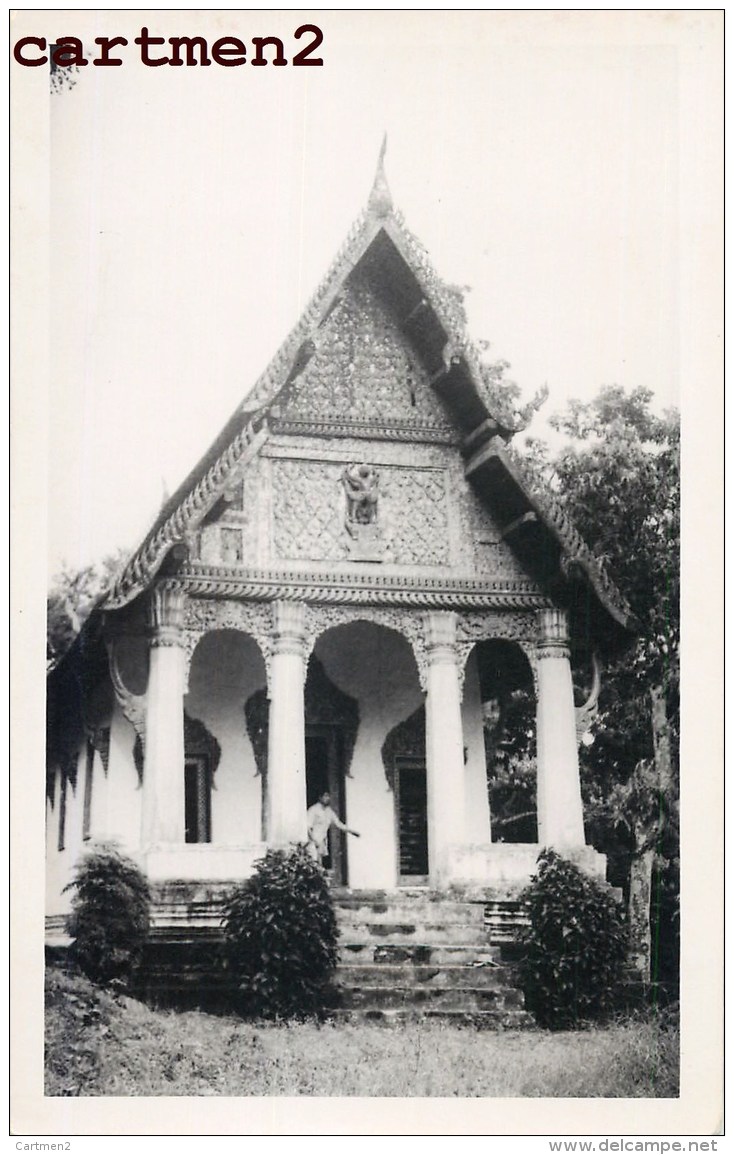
(380, 201)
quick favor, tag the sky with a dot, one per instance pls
(193, 212)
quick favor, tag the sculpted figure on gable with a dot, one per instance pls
(361, 487)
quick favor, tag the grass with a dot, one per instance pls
(101, 1044)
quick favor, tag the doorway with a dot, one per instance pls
(324, 771)
(197, 800)
(411, 820)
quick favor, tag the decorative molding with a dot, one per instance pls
(418, 431)
(186, 517)
(350, 587)
(553, 637)
(166, 607)
(289, 628)
(440, 627)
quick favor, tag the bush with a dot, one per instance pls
(280, 937)
(574, 948)
(110, 916)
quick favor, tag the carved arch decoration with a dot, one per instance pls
(409, 623)
(589, 711)
(99, 736)
(198, 740)
(324, 703)
(132, 705)
(497, 625)
(407, 738)
(257, 714)
(205, 615)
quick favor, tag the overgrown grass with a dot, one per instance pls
(100, 1044)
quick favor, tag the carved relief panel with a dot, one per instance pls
(318, 514)
(364, 367)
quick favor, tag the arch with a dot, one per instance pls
(504, 694)
(227, 669)
(407, 623)
(203, 617)
(372, 663)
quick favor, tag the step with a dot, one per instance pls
(434, 933)
(468, 999)
(351, 912)
(416, 953)
(494, 1020)
(505, 919)
(472, 975)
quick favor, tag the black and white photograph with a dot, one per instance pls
(366, 396)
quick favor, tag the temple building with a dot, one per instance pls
(328, 602)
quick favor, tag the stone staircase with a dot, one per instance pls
(414, 954)
(404, 954)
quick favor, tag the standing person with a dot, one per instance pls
(319, 819)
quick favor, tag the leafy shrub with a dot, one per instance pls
(110, 916)
(574, 948)
(280, 936)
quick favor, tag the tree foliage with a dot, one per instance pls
(574, 948)
(618, 476)
(110, 916)
(281, 937)
(71, 599)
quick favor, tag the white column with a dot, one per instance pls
(444, 744)
(560, 812)
(163, 772)
(286, 775)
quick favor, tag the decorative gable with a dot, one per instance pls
(365, 377)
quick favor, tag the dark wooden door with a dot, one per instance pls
(324, 771)
(197, 799)
(412, 823)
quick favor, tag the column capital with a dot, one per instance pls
(289, 628)
(166, 616)
(440, 629)
(553, 636)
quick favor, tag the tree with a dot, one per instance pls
(71, 599)
(619, 480)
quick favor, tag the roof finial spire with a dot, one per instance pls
(380, 202)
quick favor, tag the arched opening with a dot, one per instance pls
(373, 667)
(500, 683)
(223, 787)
